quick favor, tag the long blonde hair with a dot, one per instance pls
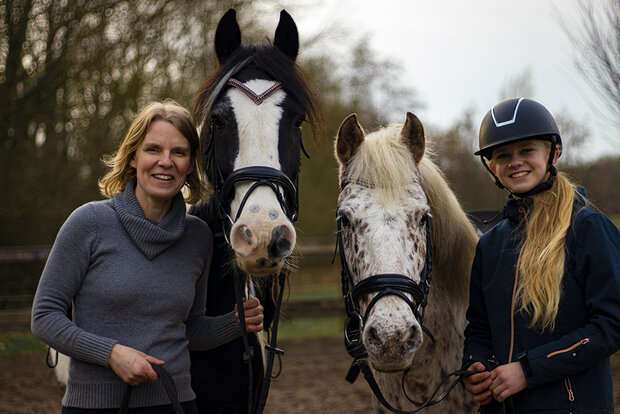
(121, 172)
(541, 259)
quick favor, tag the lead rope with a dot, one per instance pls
(429, 402)
(272, 347)
(168, 383)
(248, 352)
(461, 374)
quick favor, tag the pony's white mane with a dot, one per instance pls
(384, 161)
(453, 235)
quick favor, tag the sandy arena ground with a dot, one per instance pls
(312, 381)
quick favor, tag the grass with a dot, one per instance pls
(316, 293)
(300, 328)
(19, 342)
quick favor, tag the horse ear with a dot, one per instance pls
(227, 36)
(350, 137)
(287, 38)
(412, 135)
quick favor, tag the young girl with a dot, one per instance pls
(544, 312)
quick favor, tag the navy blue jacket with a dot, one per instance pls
(567, 369)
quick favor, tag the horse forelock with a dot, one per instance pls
(385, 162)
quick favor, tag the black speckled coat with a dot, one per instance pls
(567, 369)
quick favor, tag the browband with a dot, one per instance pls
(257, 98)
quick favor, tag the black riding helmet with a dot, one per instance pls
(514, 120)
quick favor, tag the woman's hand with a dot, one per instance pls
(509, 379)
(253, 313)
(478, 384)
(132, 366)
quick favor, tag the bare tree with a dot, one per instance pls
(597, 49)
(72, 75)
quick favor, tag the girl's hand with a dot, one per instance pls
(509, 380)
(132, 366)
(478, 384)
(253, 312)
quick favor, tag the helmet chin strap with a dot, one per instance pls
(543, 186)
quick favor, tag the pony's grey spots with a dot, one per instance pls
(273, 214)
(388, 218)
(254, 208)
(388, 236)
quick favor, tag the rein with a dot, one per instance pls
(385, 284)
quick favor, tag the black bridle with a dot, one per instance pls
(287, 194)
(224, 187)
(386, 284)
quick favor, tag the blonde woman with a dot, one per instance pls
(544, 312)
(135, 269)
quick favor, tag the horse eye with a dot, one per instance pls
(422, 220)
(299, 122)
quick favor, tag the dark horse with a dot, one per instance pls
(250, 113)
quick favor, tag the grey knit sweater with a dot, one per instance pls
(131, 281)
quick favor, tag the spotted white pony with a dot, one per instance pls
(388, 188)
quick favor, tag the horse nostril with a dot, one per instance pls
(414, 340)
(279, 245)
(373, 334)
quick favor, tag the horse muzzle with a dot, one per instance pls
(261, 244)
(391, 337)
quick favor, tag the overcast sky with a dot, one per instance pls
(459, 54)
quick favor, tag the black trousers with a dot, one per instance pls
(188, 408)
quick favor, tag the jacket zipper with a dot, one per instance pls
(569, 389)
(570, 348)
(512, 308)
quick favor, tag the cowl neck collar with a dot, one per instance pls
(149, 236)
(515, 208)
